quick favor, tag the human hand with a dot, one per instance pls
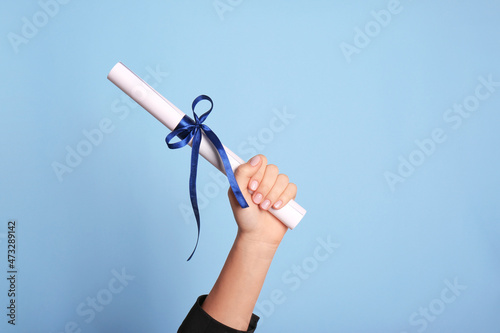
(270, 189)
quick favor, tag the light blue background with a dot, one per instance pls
(120, 208)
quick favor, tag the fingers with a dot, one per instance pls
(270, 188)
(288, 194)
(265, 185)
(281, 193)
(245, 172)
(276, 193)
(259, 174)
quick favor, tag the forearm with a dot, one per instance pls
(232, 299)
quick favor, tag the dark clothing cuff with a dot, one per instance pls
(198, 321)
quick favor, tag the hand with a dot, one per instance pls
(270, 189)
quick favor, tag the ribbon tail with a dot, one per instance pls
(187, 129)
(227, 166)
(192, 184)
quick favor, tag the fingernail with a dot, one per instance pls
(265, 204)
(253, 185)
(257, 198)
(278, 204)
(255, 160)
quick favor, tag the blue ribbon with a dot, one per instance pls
(189, 129)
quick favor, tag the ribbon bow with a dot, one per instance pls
(188, 129)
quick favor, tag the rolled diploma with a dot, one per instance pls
(170, 116)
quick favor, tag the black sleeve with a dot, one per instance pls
(198, 321)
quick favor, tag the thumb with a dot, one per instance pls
(246, 171)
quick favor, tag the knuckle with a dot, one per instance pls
(293, 187)
(273, 168)
(271, 197)
(263, 188)
(241, 170)
(258, 176)
(283, 178)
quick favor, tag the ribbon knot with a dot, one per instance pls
(188, 129)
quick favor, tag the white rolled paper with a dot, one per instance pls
(170, 116)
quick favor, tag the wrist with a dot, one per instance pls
(256, 246)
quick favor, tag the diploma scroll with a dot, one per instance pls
(170, 116)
